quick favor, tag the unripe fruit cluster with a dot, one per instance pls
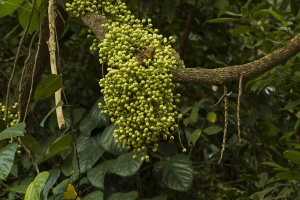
(138, 89)
(12, 114)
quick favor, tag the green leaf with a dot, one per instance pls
(222, 20)
(9, 6)
(288, 176)
(89, 151)
(212, 130)
(23, 16)
(293, 156)
(30, 143)
(59, 145)
(14, 131)
(61, 187)
(108, 142)
(225, 12)
(60, 103)
(241, 30)
(275, 166)
(7, 156)
(17, 188)
(194, 137)
(291, 104)
(53, 176)
(211, 117)
(295, 7)
(35, 188)
(124, 196)
(96, 175)
(125, 165)
(176, 173)
(94, 195)
(249, 177)
(47, 87)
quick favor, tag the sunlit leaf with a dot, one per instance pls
(176, 173)
(7, 156)
(70, 193)
(14, 131)
(211, 117)
(47, 87)
(35, 188)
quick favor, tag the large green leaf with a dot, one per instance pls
(96, 175)
(176, 173)
(293, 156)
(14, 131)
(108, 142)
(125, 165)
(94, 195)
(30, 143)
(9, 6)
(7, 156)
(89, 151)
(35, 188)
(124, 196)
(288, 176)
(23, 16)
(59, 145)
(61, 187)
(53, 176)
(212, 130)
(47, 87)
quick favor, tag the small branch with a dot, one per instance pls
(52, 50)
(30, 156)
(238, 108)
(225, 124)
(232, 73)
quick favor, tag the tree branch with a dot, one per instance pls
(220, 75)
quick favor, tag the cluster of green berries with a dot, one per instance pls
(12, 114)
(138, 88)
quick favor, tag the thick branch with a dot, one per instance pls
(219, 75)
(232, 73)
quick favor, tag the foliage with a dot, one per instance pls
(83, 161)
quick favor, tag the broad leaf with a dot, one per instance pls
(23, 16)
(124, 196)
(59, 145)
(288, 176)
(276, 166)
(212, 130)
(94, 195)
(14, 131)
(9, 6)
(30, 143)
(61, 187)
(47, 87)
(70, 193)
(35, 188)
(17, 188)
(89, 151)
(176, 173)
(53, 176)
(125, 165)
(96, 175)
(108, 142)
(194, 137)
(293, 156)
(211, 117)
(7, 156)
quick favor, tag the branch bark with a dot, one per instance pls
(220, 75)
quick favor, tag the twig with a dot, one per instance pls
(219, 100)
(30, 156)
(238, 108)
(225, 123)
(35, 64)
(16, 61)
(52, 50)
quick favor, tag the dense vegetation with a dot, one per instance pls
(130, 130)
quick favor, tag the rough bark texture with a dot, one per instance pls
(219, 75)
